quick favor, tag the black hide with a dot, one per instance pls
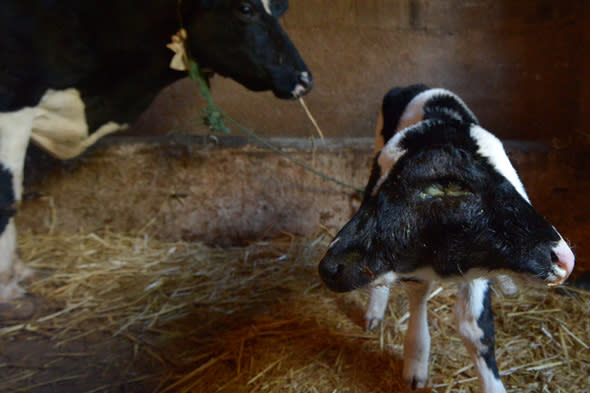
(6, 198)
(442, 208)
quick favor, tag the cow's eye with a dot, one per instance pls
(245, 9)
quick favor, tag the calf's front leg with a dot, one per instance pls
(417, 340)
(378, 300)
(475, 324)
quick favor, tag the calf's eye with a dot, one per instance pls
(245, 9)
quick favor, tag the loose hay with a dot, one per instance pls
(257, 319)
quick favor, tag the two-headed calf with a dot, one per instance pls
(443, 202)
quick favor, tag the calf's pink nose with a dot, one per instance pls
(565, 260)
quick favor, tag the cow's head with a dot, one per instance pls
(243, 40)
(444, 201)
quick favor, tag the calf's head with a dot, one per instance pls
(444, 201)
(243, 40)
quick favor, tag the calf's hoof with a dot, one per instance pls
(416, 383)
(372, 322)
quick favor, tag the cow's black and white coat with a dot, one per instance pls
(92, 66)
(443, 202)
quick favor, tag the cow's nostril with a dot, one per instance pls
(554, 257)
(304, 80)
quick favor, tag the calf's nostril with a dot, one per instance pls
(330, 271)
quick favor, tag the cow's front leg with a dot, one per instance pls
(417, 340)
(378, 301)
(9, 288)
(15, 130)
(475, 323)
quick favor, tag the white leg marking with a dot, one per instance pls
(7, 251)
(417, 340)
(9, 288)
(378, 302)
(469, 308)
(491, 148)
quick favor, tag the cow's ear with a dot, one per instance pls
(279, 7)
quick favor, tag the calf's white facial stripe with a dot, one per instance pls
(414, 112)
(266, 5)
(412, 115)
(491, 148)
(389, 155)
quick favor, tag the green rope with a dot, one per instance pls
(293, 160)
(214, 118)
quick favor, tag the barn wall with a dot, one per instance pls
(178, 189)
(519, 64)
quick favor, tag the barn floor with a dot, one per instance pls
(124, 305)
(131, 314)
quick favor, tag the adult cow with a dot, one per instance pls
(97, 64)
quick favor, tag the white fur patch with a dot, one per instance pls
(60, 125)
(414, 112)
(390, 154)
(412, 115)
(487, 380)
(9, 288)
(266, 5)
(378, 300)
(15, 132)
(377, 305)
(468, 310)
(491, 148)
(417, 339)
(7, 250)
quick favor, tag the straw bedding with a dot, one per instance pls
(257, 319)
